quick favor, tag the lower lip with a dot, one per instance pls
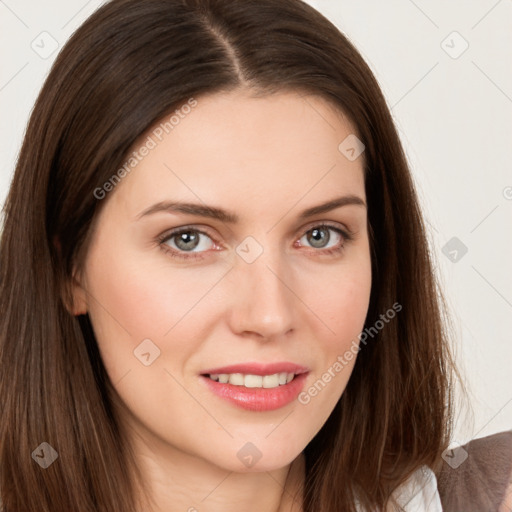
(258, 399)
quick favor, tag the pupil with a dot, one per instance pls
(187, 240)
(319, 237)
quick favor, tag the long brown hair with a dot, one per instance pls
(128, 65)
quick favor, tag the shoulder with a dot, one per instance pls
(478, 474)
(419, 492)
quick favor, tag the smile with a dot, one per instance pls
(257, 386)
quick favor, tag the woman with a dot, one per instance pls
(215, 280)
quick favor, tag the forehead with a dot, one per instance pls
(256, 154)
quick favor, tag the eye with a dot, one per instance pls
(190, 243)
(321, 237)
(185, 242)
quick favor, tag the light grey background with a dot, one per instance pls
(453, 109)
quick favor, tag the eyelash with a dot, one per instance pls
(162, 239)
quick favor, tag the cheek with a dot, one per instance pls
(343, 302)
(342, 299)
(132, 299)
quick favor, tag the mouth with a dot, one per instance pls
(257, 387)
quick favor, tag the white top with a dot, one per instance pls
(418, 493)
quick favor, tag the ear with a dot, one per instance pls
(78, 297)
(74, 295)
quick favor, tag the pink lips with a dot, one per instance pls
(258, 399)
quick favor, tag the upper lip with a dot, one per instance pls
(259, 368)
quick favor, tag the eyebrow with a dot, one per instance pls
(214, 212)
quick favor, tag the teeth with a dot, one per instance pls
(237, 379)
(270, 381)
(253, 381)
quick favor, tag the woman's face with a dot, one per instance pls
(271, 288)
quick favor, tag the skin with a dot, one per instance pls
(265, 159)
(506, 505)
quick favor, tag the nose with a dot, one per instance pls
(263, 301)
